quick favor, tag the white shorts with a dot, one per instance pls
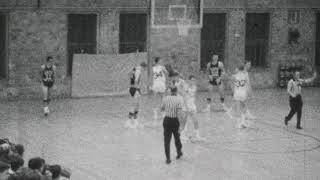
(159, 87)
(191, 106)
(240, 95)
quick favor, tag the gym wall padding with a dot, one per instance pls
(103, 75)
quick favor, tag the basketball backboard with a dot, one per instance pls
(168, 13)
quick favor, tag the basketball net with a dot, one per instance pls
(183, 26)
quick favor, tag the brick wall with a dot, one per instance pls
(34, 34)
(280, 50)
(101, 75)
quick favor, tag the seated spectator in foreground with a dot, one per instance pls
(4, 167)
(16, 163)
(38, 164)
(20, 174)
(19, 149)
(8, 151)
(56, 172)
(66, 173)
(4, 153)
(32, 175)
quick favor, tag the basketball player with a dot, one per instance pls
(47, 81)
(182, 86)
(134, 90)
(247, 68)
(240, 93)
(295, 99)
(215, 69)
(192, 108)
(158, 84)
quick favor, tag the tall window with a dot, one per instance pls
(82, 36)
(317, 58)
(257, 37)
(133, 32)
(3, 50)
(213, 35)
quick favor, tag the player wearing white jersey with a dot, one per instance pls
(159, 77)
(158, 87)
(190, 98)
(240, 93)
(247, 68)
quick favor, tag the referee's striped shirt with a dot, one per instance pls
(171, 105)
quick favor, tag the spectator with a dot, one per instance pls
(16, 163)
(20, 174)
(38, 164)
(55, 171)
(58, 173)
(4, 167)
(19, 149)
(32, 175)
(4, 153)
(65, 173)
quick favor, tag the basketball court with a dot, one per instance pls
(89, 137)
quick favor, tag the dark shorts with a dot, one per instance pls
(214, 82)
(48, 84)
(133, 91)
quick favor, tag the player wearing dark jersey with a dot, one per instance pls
(215, 70)
(47, 80)
(134, 90)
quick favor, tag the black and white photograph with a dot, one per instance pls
(159, 90)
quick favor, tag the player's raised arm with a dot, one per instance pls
(309, 80)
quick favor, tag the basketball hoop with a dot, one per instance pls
(183, 26)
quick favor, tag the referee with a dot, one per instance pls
(171, 105)
(295, 99)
